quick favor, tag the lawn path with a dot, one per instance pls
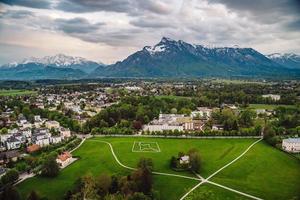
(131, 168)
(216, 172)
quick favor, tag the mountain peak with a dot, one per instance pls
(166, 40)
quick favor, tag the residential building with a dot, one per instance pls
(64, 159)
(52, 124)
(291, 145)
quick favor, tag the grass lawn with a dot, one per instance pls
(16, 92)
(216, 193)
(96, 158)
(264, 172)
(267, 106)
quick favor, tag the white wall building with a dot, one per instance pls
(274, 97)
(162, 127)
(291, 145)
(52, 124)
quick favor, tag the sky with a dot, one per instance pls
(111, 30)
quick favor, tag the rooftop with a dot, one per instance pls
(292, 140)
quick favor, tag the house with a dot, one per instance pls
(55, 139)
(37, 118)
(274, 97)
(52, 124)
(13, 143)
(33, 148)
(217, 127)
(65, 132)
(184, 160)
(64, 159)
(201, 112)
(291, 145)
(7, 156)
(41, 137)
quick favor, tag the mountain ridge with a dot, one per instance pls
(171, 58)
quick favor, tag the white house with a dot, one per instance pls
(64, 159)
(13, 143)
(52, 124)
(162, 127)
(37, 118)
(184, 160)
(55, 139)
(274, 97)
(41, 139)
(65, 132)
(291, 145)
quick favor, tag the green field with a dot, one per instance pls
(267, 106)
(16, 92)
(96, 158)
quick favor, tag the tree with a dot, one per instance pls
(173, 162)
(139, 196)
(195, 160)
(173, 110)
(145, 163)
(10, 176)
(10, 193)
(4, 131)
(246, 118)
(103, 184)
(50, 167)
(143, 176)
(33, 196)
(88, 189)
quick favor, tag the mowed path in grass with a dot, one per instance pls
(265, 172)
(96, 158)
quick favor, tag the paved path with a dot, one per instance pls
(216, 172)
(131, 168)
(25, 175)
(200, 178)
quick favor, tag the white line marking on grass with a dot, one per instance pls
(216, 172)
(131, 168)
(233, 190)
(145, 147)
(191, 190)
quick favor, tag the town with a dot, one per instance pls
(50, 122)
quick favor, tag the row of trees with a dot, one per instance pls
(133, 112)
(136, 186)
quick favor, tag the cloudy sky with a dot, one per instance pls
(110, 30)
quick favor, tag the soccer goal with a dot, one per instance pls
(145, 147)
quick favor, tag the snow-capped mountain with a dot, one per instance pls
(171, 58)
(288, 60)
(61, 61)
(59, 66)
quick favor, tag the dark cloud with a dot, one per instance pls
(16, 14)
(148, 22)
(83, 6)
(131, 7)
(264, 11)
(76, 26)
(46, 4)
(294, 25)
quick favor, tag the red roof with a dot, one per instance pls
(33, 148)
(64, 156)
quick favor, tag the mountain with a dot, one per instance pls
(59, 66)
(288, 60)
(170, 58)
(34, 71)
(61, 61)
